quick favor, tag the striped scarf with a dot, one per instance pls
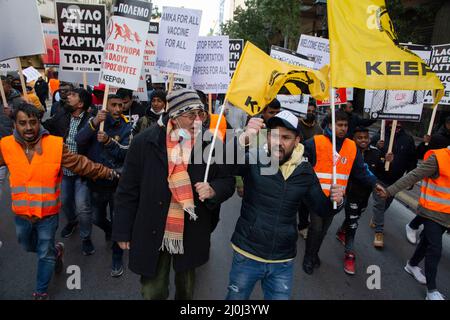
(178, 155)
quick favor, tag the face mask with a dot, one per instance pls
(158, 113)
(310, 117)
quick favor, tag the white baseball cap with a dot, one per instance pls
(285, 119)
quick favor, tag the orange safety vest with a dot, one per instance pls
(435, 193)
(324, 162)
(35, 186)
(214, 118)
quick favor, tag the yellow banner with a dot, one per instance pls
(259, 78)
(365, 51)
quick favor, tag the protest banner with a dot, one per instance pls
(297, 104)
(31, 73)
(340, 97)
(291, 57)
(402, 105)
(20, 41)
(177, 40)
(8, 66)
(440, 63)
(316, 48)
(236, 47)
(51, 55)
(151, 46)
(211, 68)
(81, 29)
(125, 44)
(349, 94)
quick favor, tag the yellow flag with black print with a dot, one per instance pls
(259, 78)
(365, 50)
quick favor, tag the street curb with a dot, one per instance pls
(407, 200)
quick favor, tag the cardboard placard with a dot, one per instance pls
(339, 98)
(236, 47)
(440, 63)
(316, 48)
(26, 39)
(297, 104)
(151, 46)
(125, 44)
(177, 40)
(291, 57)
(211, 69)
(51, 56)
(81, 29)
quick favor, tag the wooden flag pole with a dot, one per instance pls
(383, 130)
(216, 131)
(105, 103)
(333, 136)
(210, 103)
(22, 80)
(171, 82)
(433, 116)
(391, 143)
(85, 80)
(3, 96)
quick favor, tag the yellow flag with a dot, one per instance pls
(259, 78)
(365, 51)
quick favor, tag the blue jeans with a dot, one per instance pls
(39, 236)
(276, 278)
(76, 202)
(100, 202)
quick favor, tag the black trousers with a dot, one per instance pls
(430, 248)
(353, 210)
(416, 222)
(303, 216)
(316, 233)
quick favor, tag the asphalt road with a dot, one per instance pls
(18, 268)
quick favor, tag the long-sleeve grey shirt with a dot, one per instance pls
(427, 169)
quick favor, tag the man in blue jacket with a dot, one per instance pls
(108, 147)
(265, 237)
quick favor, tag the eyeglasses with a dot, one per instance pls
(192, 115)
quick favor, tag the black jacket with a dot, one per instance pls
(404, 151)
(59, 125)
(142, 202)
(439, 140)
(357, 191)
(6, 125)
(267, 226)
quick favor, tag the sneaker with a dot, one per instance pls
(117, 268)
(316, 261)
(87, 247)
(303, 233)
(434, 295)
(68, 230)
(308, 266)
(412, 234)
(378, 242)
(59, 257)
(40, 296)
(372, 224)
(349, 263)
(416, 272)
(340, 236)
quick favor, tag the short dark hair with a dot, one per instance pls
(63, 84)
(161, 94)
(6, 79)
(360, 129)
(85, 97)
(274, 104)
(123, 93)
(339, 116)
(114, 96)
(29, 109)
